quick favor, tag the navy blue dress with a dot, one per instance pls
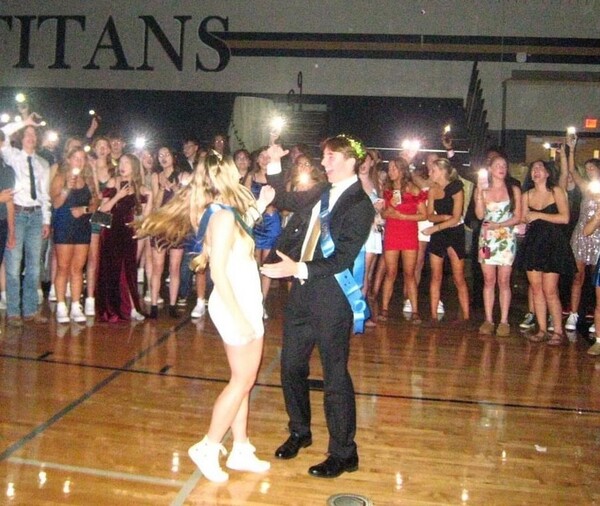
(66, 228)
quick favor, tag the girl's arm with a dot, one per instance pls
(524, 207)
(221, 234)
(592, 224)
(564, 169)
(147, 207)
(479, 203)
(434, 191)
(454, 219)
(108, 203)
(579, 181)
(155, 188)
(58, 192)
(516, 217)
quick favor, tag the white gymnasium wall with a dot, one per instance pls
(331, 76)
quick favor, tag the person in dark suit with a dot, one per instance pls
(318, 312)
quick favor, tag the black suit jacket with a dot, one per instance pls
(350, 224)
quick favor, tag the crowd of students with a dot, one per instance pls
(70, 214)
(421, 204)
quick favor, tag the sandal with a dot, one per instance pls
(556, 339)
(383, 315)
(539, 338)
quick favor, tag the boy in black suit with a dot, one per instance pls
(318, 312)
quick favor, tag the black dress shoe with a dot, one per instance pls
(334, 466)
(291, 447)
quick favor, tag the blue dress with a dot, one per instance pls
(66, 228)
(266, 231)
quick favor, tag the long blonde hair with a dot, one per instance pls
(216, 179)
(86, 170)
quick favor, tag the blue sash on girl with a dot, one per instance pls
(197, 241)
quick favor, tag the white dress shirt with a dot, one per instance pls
(17, 159)
(334, 194)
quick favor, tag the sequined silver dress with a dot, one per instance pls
(586, 249)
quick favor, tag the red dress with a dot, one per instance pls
(402, 235)
(117, 272)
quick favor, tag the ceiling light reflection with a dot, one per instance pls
(399, 481)
(42, 478)
(265, 486)
(175, 462)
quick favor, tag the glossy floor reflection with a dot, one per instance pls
(103, 414)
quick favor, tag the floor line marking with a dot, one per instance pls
(97, 472)
(86, 395)
(563, 409)
(192, 481)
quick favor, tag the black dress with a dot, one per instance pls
(545, 247)
(453, 237)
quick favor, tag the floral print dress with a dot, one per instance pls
(502, 241)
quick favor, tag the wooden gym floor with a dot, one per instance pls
(103, 414)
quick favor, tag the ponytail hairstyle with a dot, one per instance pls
(445, 165)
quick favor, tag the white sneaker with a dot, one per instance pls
(148, 298)
(205, 455)
(440, 308)
(572, 321)
(76, 313)
(52, 294)
(90, 306)
(242, 458)
(140, 275)
(62, 315)
(407, 308)
(199, 309)
(138, 317)
(592, 329)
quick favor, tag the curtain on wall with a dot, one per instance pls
(249, 126)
